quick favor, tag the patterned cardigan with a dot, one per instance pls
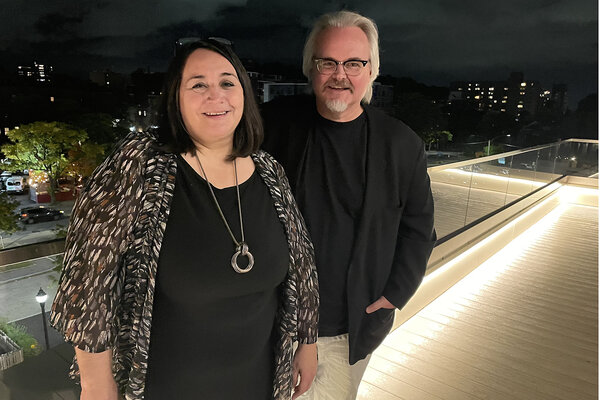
(106, 290)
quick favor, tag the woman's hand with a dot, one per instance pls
(304, 367)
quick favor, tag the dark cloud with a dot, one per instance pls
(434, 41)
(58, 25)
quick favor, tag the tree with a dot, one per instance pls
(424, 116)
(8, 218)
(435, 136)
(101, 128)
(43, 146)
(84, 158)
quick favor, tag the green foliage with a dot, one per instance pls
(57, 261)
(436, 136)
(19, 335)
(102, 128)
(84, 159)
(43, 146)
(420, 113)
(8, 217)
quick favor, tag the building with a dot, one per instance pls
(559, 98)
(515, 96)
(383, 96)
(271, 90)
(108, 78)
(35, 72)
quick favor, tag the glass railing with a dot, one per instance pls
(467, 191)
(464, 192)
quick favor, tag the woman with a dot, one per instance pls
(188, 270)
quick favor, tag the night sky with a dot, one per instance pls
(432, 41)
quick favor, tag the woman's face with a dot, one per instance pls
(211, 98)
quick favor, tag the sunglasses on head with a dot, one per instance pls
(182, 42)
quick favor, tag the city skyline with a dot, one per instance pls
(552, 41)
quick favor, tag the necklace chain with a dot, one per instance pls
(242, 246)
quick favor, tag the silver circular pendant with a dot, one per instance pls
(243, 250)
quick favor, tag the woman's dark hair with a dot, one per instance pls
(173, 136)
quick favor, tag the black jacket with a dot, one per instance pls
(395, 234)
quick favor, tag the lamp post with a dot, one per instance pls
(41, 298)
(490, 142)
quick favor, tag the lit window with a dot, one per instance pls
(492, 89)
(477, 97)
(490, 97)
(139, 112)
(505, 88)
(503, 109)
(52, 99)
(495, 101)
(519, 105)
(523, 84)
(503, 101)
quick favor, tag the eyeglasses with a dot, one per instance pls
(328, 66)
(182, 42)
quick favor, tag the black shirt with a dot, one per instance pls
(211, 327)
(330, 195)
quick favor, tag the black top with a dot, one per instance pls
(330, 195)
(211, 327)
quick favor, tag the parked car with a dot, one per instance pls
(16, 184)
(30, 215)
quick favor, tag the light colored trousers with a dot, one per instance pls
(336, 379)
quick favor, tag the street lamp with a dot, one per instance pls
(41, 298)
(490, 142)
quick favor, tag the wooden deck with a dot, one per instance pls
(523, 325)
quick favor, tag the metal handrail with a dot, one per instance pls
(493, 157)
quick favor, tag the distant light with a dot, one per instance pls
(132, 128)
(523, 83)
(519, 105)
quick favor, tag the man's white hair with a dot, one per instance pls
(343, 19)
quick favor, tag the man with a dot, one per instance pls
(360, 179)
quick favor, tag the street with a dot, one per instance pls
(19, 283)
(37, 232)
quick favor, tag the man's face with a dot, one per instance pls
(339, 95)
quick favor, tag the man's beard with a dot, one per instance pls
(336, 106)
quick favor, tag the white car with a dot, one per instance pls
(16, 184)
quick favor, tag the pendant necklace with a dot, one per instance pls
(241, 247)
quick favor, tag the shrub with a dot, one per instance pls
(18, 333)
